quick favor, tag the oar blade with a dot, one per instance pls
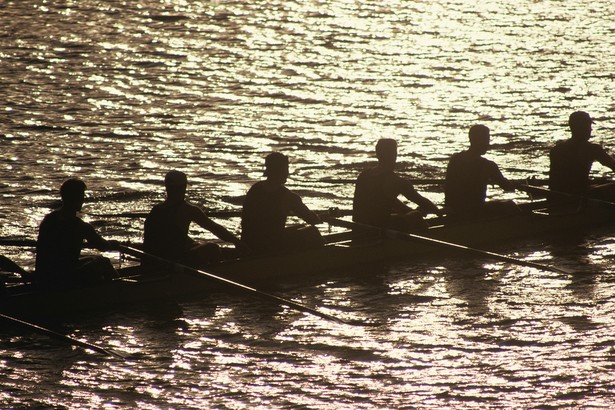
(59, 336)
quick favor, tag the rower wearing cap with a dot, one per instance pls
(166, 227)
(267, 205)
(571, 161)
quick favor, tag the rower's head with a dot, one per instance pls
(386, 152)
(479, 138)
(176, 183)
(276, 167)
(580, 125)
(72, 193)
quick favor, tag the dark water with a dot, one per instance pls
(119, 92)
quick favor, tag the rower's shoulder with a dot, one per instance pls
(377, 173)
(576, 146)
(165, 209)
(461, 157)
(189, 208)
(57, 217)
(257, 187)
(157, 209)
(266, 188)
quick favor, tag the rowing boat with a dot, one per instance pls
(348, 253)
(345, 251)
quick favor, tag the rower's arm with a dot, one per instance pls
(506, 184)
(605, 159)
(299, 209)
(424, 204)
(218, 230)
(496, 176)
(399, 207)
(95, 240)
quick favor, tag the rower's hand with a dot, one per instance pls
(242, 247)
(334, 212)
(431, 210)
(515, 185)
(112, 245)
(529, 181)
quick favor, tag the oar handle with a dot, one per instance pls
(532, 189)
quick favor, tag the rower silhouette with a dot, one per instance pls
(377, 190)
(467, 175)
(266, 208)
(166, 227)
(60, 239)
(571, 162)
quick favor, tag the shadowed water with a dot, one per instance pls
(119, 92)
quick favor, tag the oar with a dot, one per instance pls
(60, 336)
(200, 273)
(422, 181)
(443, 244)
(17, 242)
(24, 243)
(413, 181)
(213, 214)
(532, 189)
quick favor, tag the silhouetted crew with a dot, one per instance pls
(467, 176)
(377, 190)
(267, 205)
(166, 227)
(571, 161)
(61, 237)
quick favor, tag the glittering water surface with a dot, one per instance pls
(119, 92)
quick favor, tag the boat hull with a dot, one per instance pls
(138, 288)
(482, 235)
